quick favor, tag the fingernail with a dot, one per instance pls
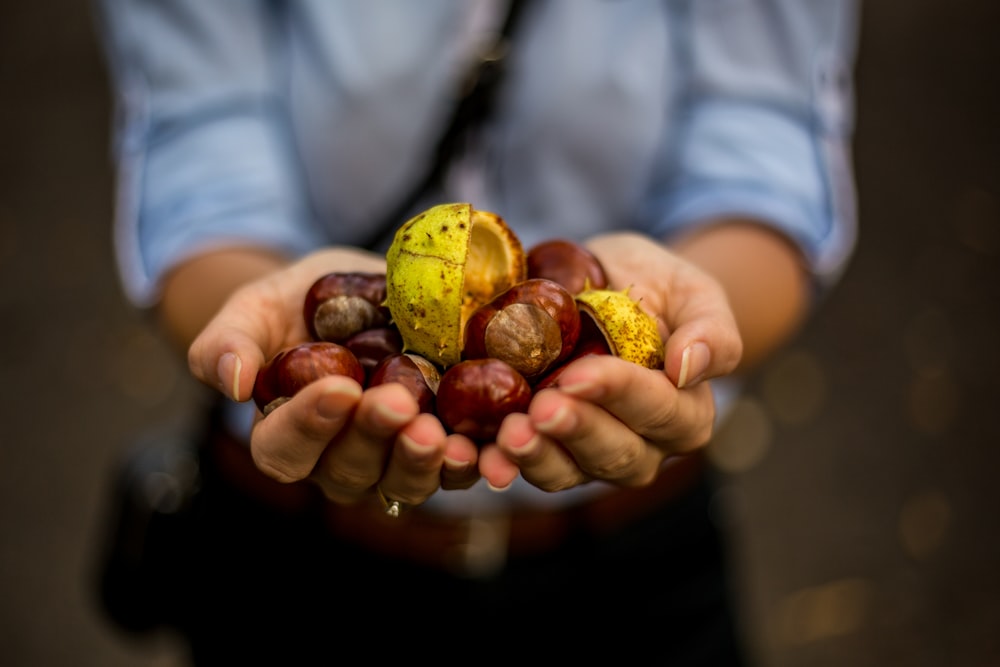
(415, 448)
(559, 419)
(392, 417)
(456, 466)
(229, 373)
(332, 403)
(498, 489)
(526, 446)
(694, 363)
(577, 388)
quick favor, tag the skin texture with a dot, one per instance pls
(728, 295)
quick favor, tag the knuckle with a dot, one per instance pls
(643, 478)
(621, 465)
(347, 478)
(278, 469)
(696, 440)
(660, 420)
(736, 354)
(562, 483)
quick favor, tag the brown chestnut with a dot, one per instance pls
(340, 304)
(371, 346)
(568, 263)
(294, 367)
(414, 372)
(532, 326)
(591, 342)
(476, 394)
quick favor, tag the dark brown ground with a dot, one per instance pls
(865, 495)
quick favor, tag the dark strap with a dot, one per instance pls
(477, 101)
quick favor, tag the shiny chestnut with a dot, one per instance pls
(293, 368)
(476, 395)
(420, 377)
(371, 346)
(568, 263)
(340, 304)
(532, 326)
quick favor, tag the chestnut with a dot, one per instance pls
(294, 367)
(371, 346)
(568, 263)
(476, 394)
(591, 342)
(592, 339)
(340, 304)
(414, 372)
(532, 326)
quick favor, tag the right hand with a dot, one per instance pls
(344, 439)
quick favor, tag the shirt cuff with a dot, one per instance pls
(208, 184)
(762, 163)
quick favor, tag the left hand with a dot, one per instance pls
(610, 419)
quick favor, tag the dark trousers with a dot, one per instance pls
(247, 584)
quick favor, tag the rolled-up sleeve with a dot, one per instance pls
(764, 124)
(202, 145)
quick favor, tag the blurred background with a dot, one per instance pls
(864, 496)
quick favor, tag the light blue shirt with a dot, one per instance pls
(298, 124)
(301, 124)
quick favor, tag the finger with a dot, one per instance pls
(537, 458)
(601, 445)
(251, 326)
(262, 317)
(461, 458)
(287, 444)
(354, 462)
(230, 368)
(704, 340)
(413, 473)
(690, 304)
(496, 468)
(644, 400)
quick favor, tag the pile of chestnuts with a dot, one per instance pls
(513, 345)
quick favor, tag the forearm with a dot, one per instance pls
(760, 271)
(195, 290)
(764, 279)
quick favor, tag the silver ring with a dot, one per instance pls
(390, 507)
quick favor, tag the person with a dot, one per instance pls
(699, 149)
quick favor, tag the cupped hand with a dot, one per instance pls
(348, 441)
(345, 439)
(613, 420)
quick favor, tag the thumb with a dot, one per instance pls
(227, 363)
(705, 341)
